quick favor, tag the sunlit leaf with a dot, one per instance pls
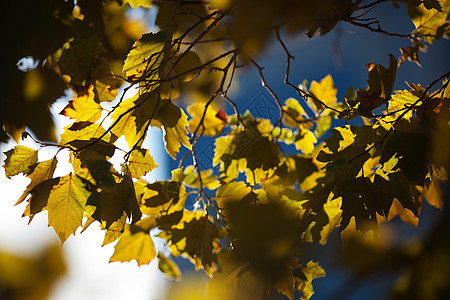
(324, 91)
(19, 160)
(134, 245)
(140, 163)
(66, 205)
(431, 23)
(212, 125)
(84, 108)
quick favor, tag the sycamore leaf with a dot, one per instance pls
(66, 205)
(199, 234)
(175, 132)
(212, 124)
(140, 163)
(146, 56)
(188, 67)
(305, 141)
(83, 108)
(294, 113)
(134, 245)
(132, 116)
(379, 86)
(324, 91)
(168, 266)
(40, 172)
(400, 101)
(208, 179)
(82, 131)
(19, 160)
(312, 271)
(431, 23)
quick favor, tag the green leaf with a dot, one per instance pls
(134, 245)
(66, 205)
(168, 266)
(19, 160)
(140, 163)
(78, 57)
(146, 56)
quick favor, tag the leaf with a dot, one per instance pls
(199, 234)
(132, 116)
(40, 172)
(212, 125)
(431, 23)
(146, 56)
(134, 245)
(83, 108)
(83, 131)
(324, 91)
(19, 160)
(294, 113)
(78, 57)
(379, 85)
(188, 67)
(175, 132)
(66, 205)
(140, 163)
(168, 266)
(138, 3)
(312, 271)
(305, 141)
(400, 101)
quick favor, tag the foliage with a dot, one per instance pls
(254, 213)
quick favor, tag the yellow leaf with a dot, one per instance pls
(177, 134)
(168, 266)
(140, 163)
(43, 171)
(324, 91)
(212, 124)
(66, 205)
(306, 141)
(138, 246)
(74, 132)
(19, 160)
(431, 23)
(84, 108)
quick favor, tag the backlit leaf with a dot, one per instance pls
(324, 91)
(140, 163)
(431, 23)
(146, 56)
(212, 124)
(84, 108)
(66, 205)
(19, 160)
(134, 245)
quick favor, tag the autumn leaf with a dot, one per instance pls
(40, 172)
(19, 160)
(325, 91)
(212, 125)
(312, 271)
(134, 245)
(175, 132)
(146, 56)
(83, 108)
(430, 21)
(140, 163)
(168, 266)
(66, 205)
(138, 3)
